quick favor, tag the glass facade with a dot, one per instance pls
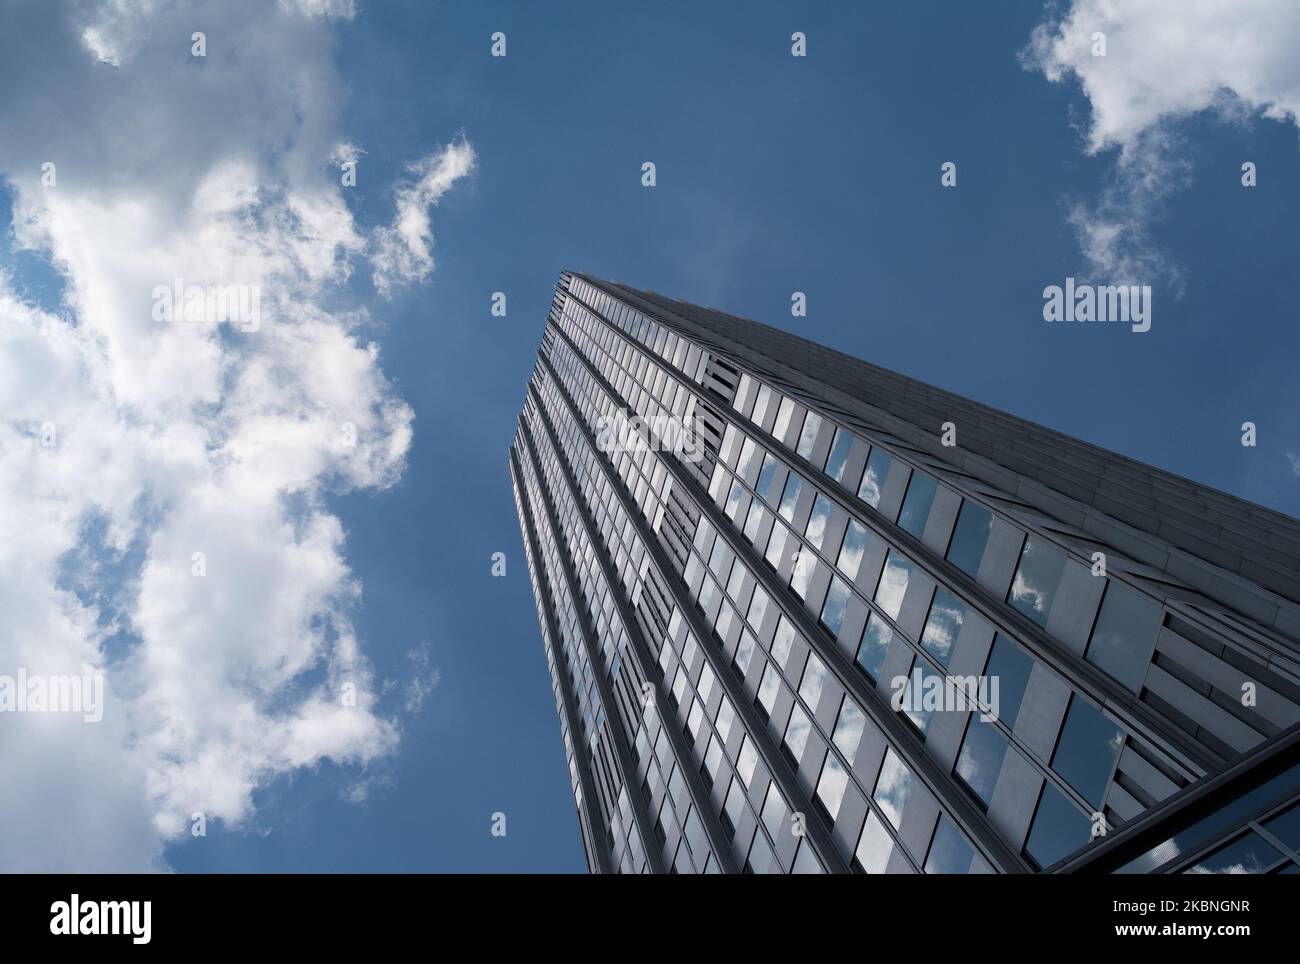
(789, 632)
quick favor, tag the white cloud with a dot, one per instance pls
(1114, 233)
(403, 250)
(180, 437)
(1165, 61)
(113, 29)
(421, 679)
(343, 9)
(1168, 59)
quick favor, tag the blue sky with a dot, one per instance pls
(775, 174)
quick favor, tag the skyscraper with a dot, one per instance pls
(803, 614)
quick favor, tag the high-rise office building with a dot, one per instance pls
(803, 614)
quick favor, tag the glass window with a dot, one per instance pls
(1085, 753)
(753, 522)
(768, 688)
(708, 591)
(726, 716)
(855, 540)
(979, 761)
(760, 406)
(848, 729)
(747, 453)
(875, 846)
(744, 653)
(874, 646)
(703, 535)
(747, 760)
(796, 733)
(1058, 829)
(665, 657)
(1125, 635)
(1286, 826)
(873, 479)
(1011, 667)
(734, 807)
(766, 476)
(776, 544)
(736, 581)
(741, 391)
(805, 564)
(790, 496)
(690, 650)
(733, 500)
(774, 811)
(837, 599)
(782, 642)
(1250, 854)
(921, 680)
(893, 584)
(720, 559)
(917, 503)
(715, 483)
(893, 786)
(679, 686)
(943, 625)
(817, 519)
(814, 676)
(695, 837)
(757, 608)
(713, 759)
(950, 851)
(783, 413)
(805, 861)
(726, 616)
(812, 424)
(695, 718)
(706, 682)
(1036, 579)
(760, 859)
(652, 780)
(839, 454)
(969, 537)
(831, 784)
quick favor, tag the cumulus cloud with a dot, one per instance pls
(402, 251)
(1165, 60)
(164, 484)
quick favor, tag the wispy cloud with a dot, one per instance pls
(403, 251)
(422, 679)
(1114, 232)
(1164, 61)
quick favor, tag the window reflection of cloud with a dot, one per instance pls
(875, 846)
(893, 585)
(892, 788)
(1025, 594)
(942, 629)
(869, 491)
